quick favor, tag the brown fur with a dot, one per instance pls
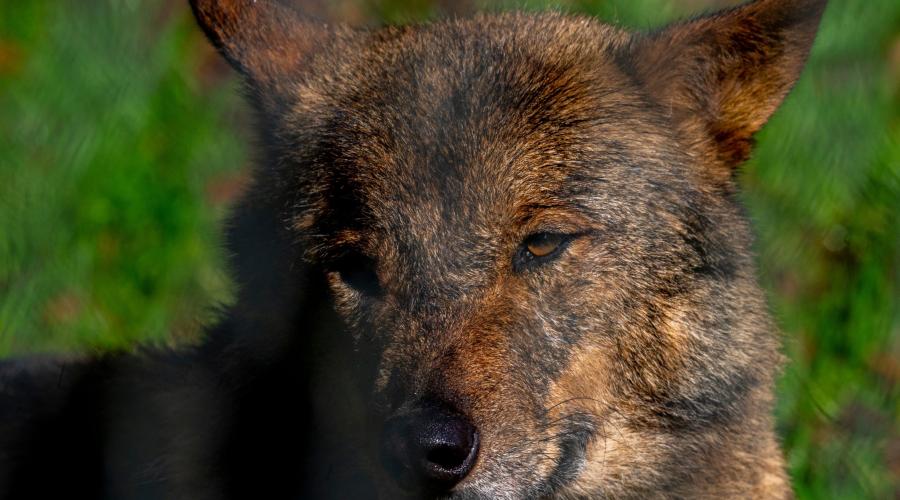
(406, 168)
(638, 364)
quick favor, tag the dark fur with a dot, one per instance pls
(404, 167)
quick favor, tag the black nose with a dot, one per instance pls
(430, 448)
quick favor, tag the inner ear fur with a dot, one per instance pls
(722, 76)
(267, 41)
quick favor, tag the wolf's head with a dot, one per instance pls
(529, 227)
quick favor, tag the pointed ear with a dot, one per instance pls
(723, 76)
(266, 41)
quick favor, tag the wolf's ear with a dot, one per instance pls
(267, 41)
(722, 76)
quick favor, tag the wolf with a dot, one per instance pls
(498, 256)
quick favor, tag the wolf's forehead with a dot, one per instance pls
(490, 64)
(465, 146)
(462, 126)
(454, 114)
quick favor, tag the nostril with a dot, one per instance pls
(447, 457)
(448, 444)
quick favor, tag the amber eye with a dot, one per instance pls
(543, 244)
(539, 248)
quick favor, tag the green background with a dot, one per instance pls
(123, 139)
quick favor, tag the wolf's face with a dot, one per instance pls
(514, 235)
(528, 226)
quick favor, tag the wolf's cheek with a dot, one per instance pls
(618, 454)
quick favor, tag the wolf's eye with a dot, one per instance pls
(543, 244)
(358, 272)
(541, 247)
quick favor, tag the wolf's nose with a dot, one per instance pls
(431, 448)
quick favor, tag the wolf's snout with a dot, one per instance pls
(430, 448)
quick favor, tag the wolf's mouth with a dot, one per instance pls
(573, 444)
(573, 441)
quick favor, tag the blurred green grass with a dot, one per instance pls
(108, 141)
(122, 139)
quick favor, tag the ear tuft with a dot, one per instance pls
(264, 40)
(725, 74)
